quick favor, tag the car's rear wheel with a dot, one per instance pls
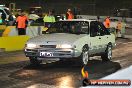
(107, 56)
(35, 61)
(85, 56)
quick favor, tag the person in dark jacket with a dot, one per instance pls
(3, 16)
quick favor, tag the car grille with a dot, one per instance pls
(48, 46)
(63, 51)
(56, 52)
(32, 50)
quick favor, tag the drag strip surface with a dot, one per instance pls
(62, 74)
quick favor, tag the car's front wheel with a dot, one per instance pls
(35, 61)
(85, 56)
(107, 56)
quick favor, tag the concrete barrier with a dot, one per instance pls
(31, 31)
(10, 41)
(2, 27)
(13, 43)
(7, 31)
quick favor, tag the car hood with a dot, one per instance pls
(56, 38)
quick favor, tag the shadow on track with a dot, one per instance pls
(65, 73)
(96, 69)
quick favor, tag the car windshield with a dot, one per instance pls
(73, 27)
(7, 11)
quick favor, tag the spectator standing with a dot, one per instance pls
(123, 30)
(11, 19)
(120, 29)
(107, 22)
(21, 23)
(48, 19)
(3, 16)
(69, 14)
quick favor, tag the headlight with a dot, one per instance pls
(31, 45)
(64, 46)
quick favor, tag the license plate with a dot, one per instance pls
(46, 54)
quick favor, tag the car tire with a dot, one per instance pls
(85, 56)
(34, 61)
(107, 56)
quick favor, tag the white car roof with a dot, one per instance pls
(89, 20)
(2, 7)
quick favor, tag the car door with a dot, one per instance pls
(104, 35)
(82, 29)
(95, 38)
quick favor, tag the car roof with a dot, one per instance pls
(2, 7)
(89, 20)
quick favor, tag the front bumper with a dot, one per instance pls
(56, 53)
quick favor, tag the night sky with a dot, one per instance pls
(99, 3)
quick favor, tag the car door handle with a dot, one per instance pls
(99, 38)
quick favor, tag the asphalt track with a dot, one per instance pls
(61, 74)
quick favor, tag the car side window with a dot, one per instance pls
(80, 27)
(84, 27)
(94, 29)
(100, 29)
